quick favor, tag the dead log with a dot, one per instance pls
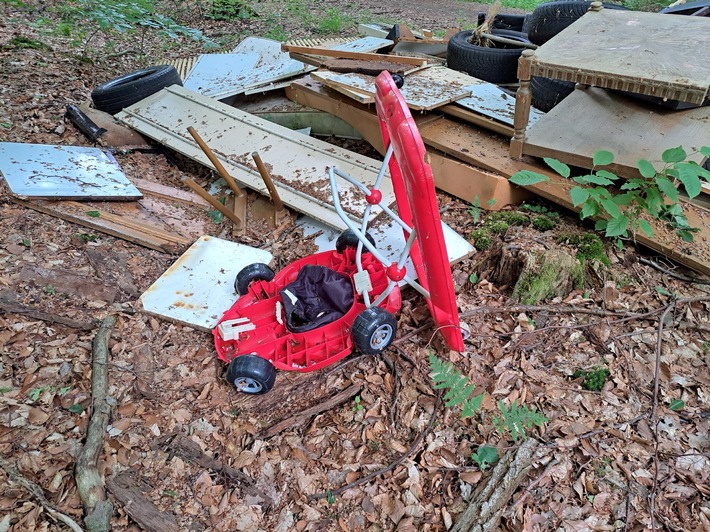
(488, 502)
(129, 491)
(9, 305)
(97, 508)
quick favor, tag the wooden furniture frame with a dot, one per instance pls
(646, 53)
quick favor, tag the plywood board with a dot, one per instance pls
(423, 90)
(594, 119)
(222, 75)
(298, 164)
(647, 53)
(44, 171)
(199, 287)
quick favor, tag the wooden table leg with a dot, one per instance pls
(523, 100)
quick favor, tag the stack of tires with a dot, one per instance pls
(494, 61)
(546, 21)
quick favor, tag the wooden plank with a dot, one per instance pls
(595, 119)
(346, 54)
(646, 53)
(169, 193)
(477, 120)
(424, 90)
(299, 164)
(149, 239)
(450, 175)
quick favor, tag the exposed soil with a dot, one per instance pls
(210, 458)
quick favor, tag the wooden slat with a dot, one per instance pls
(144, 236)
(477, 120)
(345, 54)
(169, 193)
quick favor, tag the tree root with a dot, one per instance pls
(97, 508)
(484, 511)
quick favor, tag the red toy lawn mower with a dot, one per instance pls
(319, 308)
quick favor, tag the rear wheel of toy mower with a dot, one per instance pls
(251, 374)
(254, 272)
(373, 330)
(348, 239)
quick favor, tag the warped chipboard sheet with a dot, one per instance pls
(423, 90)
(491, 101)
(199, 286)
(256, 63)
(298, 164)
(46, 171)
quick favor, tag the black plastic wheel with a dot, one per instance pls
(124, 91)
(497, 63)
(348, 239)
(373, 330)
(548, 92)
(548, 19)
(251, 374)
(254, 272)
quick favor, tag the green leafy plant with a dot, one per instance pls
(333, 22)
(592, 380)
(621, 209)
(4, 390)
(484, 456)
(517, 419)
(93, 214)
(87, 18)
(357, 407)
(35, 393)
(445, 376)
(76, 409)
(49, 289)
(26, 242)
(231, 10)
(676, 405)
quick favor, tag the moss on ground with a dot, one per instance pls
(589, 247)
(498, 223)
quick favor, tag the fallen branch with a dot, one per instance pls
(484, 511)
(97, 508)
(129, 491)
(190, 451)
(668, 271)
(374, 474)
(14, 475)
(17, 308)
(299, 418)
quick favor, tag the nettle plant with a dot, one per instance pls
(621, 209)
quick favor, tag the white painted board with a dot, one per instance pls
(199, 286)
(298, 164)
(491, 101)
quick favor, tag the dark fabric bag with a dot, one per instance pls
(317, 297)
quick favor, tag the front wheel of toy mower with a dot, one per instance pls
(254, 272)
(251, 374)
(373, 330)
(348, 239)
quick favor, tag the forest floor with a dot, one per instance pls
(631, 455)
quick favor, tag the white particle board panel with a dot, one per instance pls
(423, 90)
(298, 164)
(220, 75)
(45, 171)
(199, 287)
(389, 240)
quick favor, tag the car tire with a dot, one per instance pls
(504, 21)
(495, 64)
(251, 374)
(348, 239)
(374, 330)
(254, 272)
(547, 20)
(548, 92)
(124, 91)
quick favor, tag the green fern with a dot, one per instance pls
(517, 419)
(445, 375)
